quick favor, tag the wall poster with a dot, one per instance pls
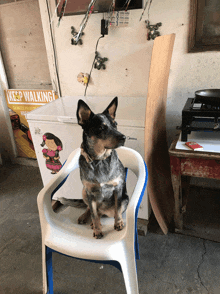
(19, 103)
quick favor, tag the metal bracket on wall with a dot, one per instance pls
(75, 40)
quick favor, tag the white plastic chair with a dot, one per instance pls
(61, 233)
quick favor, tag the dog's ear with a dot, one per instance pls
(111, 109)
(83, 113)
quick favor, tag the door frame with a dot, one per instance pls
(46, 19)
(6, 127)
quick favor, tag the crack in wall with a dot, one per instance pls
(199, 266)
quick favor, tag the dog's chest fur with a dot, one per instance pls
(101, 177)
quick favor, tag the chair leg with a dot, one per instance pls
(128, 266)
(47, 270)
(44, 269)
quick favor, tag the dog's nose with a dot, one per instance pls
(123, 137)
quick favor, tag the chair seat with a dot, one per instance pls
(71, 238)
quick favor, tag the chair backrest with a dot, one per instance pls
(131, 159)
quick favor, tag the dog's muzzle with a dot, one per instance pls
(121, 140)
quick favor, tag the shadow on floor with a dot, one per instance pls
(202, 217)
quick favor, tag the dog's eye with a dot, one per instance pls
(102, 127)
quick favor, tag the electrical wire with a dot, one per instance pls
(111, 13)
(62, 12)
(149, 9)
(145, 6)
(127, 2)
(85, 20)
(93, 64)
(55, 12)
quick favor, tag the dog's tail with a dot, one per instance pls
(79, 203)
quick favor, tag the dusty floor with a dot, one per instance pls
(169, 264)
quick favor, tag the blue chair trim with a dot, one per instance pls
(136, 245)
(49, 270)
(126, 174)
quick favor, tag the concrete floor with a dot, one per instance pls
(169, 264)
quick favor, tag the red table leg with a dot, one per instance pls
(177, 189)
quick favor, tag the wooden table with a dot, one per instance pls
(186, 164)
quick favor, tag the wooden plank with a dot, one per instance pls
(156, 151)
(192, 25)
(175, 164)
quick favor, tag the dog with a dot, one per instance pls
(101, 172)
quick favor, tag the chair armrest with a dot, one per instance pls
(45, 195)
(135, 199)
(134, 161)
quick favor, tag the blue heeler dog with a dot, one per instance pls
(101, 172)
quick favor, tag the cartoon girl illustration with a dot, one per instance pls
(51, 154)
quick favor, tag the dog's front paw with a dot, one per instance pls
(97, 234)
(119, 225)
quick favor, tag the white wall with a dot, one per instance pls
(189, 71)
(127, 48)
(25, 60)
(129, 54)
